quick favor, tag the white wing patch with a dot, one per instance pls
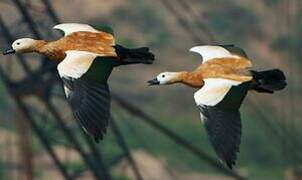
(213, 91)
(76, 63)
(211, 52)
(69, 28)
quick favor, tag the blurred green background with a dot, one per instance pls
(270, 31)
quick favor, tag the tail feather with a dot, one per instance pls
(269, 81)
(134, 56)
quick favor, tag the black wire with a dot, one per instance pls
(122, 143)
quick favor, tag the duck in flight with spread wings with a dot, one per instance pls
(86, 57)
(224, 79)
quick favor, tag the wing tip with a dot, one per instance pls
(225, 136)
(197, 48)
(69, 28)
(201, 47)
(67, 24)
(90, 104)
(228, 160)
(210, 51)
(57, 27)
(194, 48)
(60, 26)
(97, 138)
(230, 164)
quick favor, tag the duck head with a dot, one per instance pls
(166, 78)
(23, 45)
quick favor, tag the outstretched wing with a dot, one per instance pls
(228, 53)
(219, 101)
(87, 94)
(90, 104)
(83, 37)
(76, 63)
(235, 50)
(69, 28)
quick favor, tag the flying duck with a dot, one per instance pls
(223, 79)
(86, 57)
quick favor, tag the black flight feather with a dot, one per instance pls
(223, 124)
(224, 131)
(90, 104)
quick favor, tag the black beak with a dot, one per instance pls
(8, 51)
(153, 82)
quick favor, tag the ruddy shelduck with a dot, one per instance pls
(224, 78)
(86, 57)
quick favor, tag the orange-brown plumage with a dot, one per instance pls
(226, 68)
(99, 43)
(223, 79)
(86, 59)
(193, 79)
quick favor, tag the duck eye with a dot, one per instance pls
(18, 43)
(163, 75)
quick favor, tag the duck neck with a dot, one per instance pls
(50, 50)
(180, 77)
(191, 79)
(39, 46)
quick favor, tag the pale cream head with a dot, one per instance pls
(165, 78)
(24, 45)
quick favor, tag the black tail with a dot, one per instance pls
(134, 56)
(269, 81)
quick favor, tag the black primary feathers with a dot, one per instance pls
(224, 131)
(269, 81)
(223, 123)
(264, 81)
(90, 103)
(134, 56)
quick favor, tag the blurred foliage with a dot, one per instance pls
(234, 21)
(261, 156)
(2, 169)
(291, 42)
(271, 2)
(146, 20)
